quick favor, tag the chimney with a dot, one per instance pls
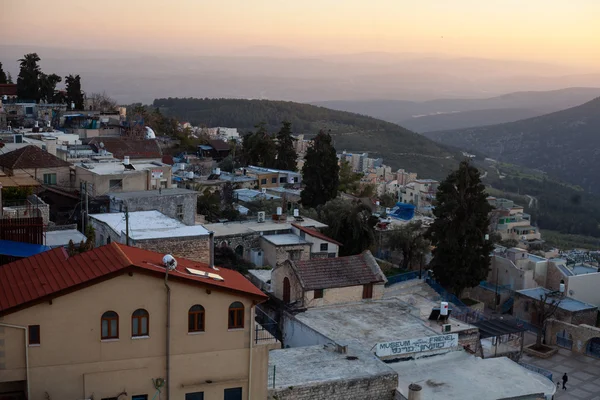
(414, 392)
(211, 247)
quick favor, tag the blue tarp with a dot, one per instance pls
(19, 249)
(403, 211)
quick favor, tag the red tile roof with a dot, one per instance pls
(315, 233)
(8, 89)
(324, 273)
(30, 280)
(30, 157)
(133, 148)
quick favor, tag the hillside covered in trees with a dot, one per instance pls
(399, 147)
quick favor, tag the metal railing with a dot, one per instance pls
(407, 276)
(266, 329)
(539, 370)
(447, 296)
(492, 286)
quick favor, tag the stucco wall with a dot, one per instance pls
(585, 288)
(72, 361)
(63, 174)
(296, 334)
(507, 273)
(166, 204)
(132, 180)
(554, 277)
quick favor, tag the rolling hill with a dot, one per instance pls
(461, 113)
(399, 147)
(564, 144)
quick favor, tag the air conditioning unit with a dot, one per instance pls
(261, 216)
(446, 328)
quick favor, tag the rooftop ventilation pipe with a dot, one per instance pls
(414, 392)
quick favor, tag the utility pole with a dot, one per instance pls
(87, 209)
(126, 224)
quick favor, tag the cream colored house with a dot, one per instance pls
(325, 281)
(108, 324)
(31, 162)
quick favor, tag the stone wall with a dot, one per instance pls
(382, 387)
(274, 254)
(487, 296)
(165, 203)
(282, 271)
(247, 241)
(579, 334)
(195, 248)
(554, 277)
(524, 310)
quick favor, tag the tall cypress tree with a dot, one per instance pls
(28, 82)
(3, 78)
(320, 172)
(286, 155)
(461, 257)
(74, 93)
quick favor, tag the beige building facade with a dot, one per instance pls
(77, 356)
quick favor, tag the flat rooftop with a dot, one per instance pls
(151, 193)
(566, 303)
(62, 237)
(583, 269)
(297, 366)
(114, 168)
(460, 376)
(248, 227)
(145, 225)
(364, 324)
(286, 239)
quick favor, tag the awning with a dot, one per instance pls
(20, 249)
(498, 327)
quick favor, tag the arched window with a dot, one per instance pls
(110, 325)
(139, 323)
(239, 250)
(236, 315)
(196, 319)
(286, 290)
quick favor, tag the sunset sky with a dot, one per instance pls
(560, 31)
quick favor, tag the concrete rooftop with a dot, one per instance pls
(364, 324)
(566, 303)
(286, 239)
(460, 376)
(61, 238)
(297, 366)
(248, 227)
(151, 193)
(149, 225)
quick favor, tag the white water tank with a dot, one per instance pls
(561, 288)
(296, 212)
(126, 160)
(279, 211)
(444, 308)
(217, 171)
(189, 175)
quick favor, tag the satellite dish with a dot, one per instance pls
(169, 262)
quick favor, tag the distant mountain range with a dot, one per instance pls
(446, 114)
(399, 147)
(565, 144)
(267, 72)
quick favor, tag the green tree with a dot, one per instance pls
(350, 223)
(259, 147)
(3, 78)
(28, 82)
(48, 87)
(74, 93)
(461, 257)
(409, 239)
(286, 155)
(9, 78)
(320, 172)
(349, 180)
(388, 200)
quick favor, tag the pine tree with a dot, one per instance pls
(28, 82)
(320, 172)
(286, 155)
(74, 93)
(461, 257)
(48, 87)
(3, 78)
(259, 148)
